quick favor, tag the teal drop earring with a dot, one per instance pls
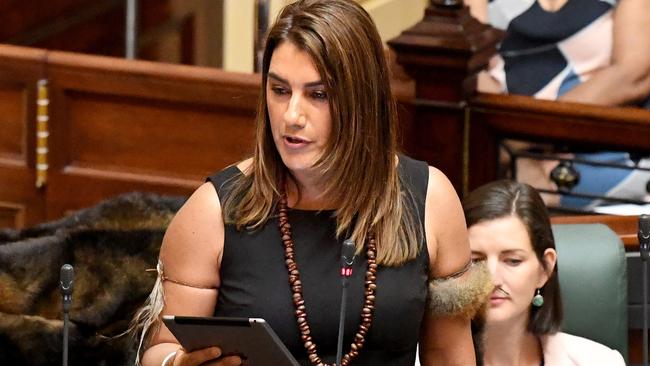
(538, 299)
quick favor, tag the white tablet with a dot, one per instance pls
(250, 338)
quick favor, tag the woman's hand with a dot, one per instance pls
(205, 356)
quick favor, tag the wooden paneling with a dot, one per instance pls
(20, 70)
(98, 27)
(13, 119)
(116, 126)
(132, 125)
(149, 136)
(12, 215)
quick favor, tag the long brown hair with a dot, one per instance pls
(359, 159)
(509, 198)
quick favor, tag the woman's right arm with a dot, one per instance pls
(191, 256)
(627, 79)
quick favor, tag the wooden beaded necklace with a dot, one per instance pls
(299, 302)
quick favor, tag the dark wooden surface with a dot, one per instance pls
(20, 202)
(123, 125)
(443, 54)
(115, 126)
(97, 27)
(575, 126)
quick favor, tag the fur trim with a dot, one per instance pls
(461, 296)
(126, 212)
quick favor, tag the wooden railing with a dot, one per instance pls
(578, 126)
(114, 126)
(98, 27)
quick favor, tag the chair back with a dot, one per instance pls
(593, 283)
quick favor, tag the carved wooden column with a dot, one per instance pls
(443, 54)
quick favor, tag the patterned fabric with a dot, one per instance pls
(609, 181)
(545, 54)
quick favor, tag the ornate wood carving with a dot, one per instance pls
(443, 54)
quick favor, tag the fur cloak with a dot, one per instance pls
(111, 246)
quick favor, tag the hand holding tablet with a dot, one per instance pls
(205, 356)
(249, 338)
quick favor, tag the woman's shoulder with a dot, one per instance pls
(564, 348)
(221, 179)
(433, 186)
(420, 170)
(230, 171)
(414, 173)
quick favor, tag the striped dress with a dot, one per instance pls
(547, 53)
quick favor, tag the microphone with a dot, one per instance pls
(347, 260)
(66, 284)
(644, 236)
(644, 248)
(347, 257)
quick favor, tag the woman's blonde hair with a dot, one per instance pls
(358, 162)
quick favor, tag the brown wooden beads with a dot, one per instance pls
(299, 303)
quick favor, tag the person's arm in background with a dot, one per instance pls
(445, 339)
(627, 79)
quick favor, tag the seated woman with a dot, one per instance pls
(510, 230)
(585, 51)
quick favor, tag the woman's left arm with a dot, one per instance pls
(445, 339)
(627, 79)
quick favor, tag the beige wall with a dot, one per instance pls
(238, 20)
(391, 17)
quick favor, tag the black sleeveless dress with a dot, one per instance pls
(254, 282)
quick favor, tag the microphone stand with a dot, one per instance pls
(347, 259)
(644, 249)
(344, 300)
(66, 283)
(66, 322)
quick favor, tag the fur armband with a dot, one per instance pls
(462, 295)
